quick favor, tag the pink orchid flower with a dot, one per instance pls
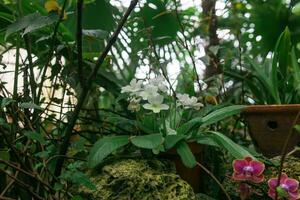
(288, 188)
(248, 170)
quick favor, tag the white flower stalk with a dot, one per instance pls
(189, 102)
(150, 90)
(134, 105)
(156, 104)
(159, 82)
(134, 87)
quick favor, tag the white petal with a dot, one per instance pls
(148, 106)
(156, 99)
(164, 107)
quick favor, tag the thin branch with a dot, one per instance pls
(85, 90)
(32, 76)
(185, 45)
(23, 185)
(215, 179)
(284, 151)
(43, 77)
(79, 40)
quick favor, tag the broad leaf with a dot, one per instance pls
(105, 146)
(223, 141)
(172, 140)
(221, 114)
(211, 118)
(35, 136)
(28, 105)
(30, 23)
(185, 154)
(147, 141)
(95, 34)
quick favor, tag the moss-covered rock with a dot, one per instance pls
(260, 191)
(135, 179)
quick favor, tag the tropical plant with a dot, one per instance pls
(164, 121)
(276, 80)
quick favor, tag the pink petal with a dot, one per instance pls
(238, 165)
(248, 159)
(239, 177)
(271, 193)
(258, 167)
(283, 178)
(293, 196)
(257, 179)
(293, 184)
(272, 183)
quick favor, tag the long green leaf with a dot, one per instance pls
(147, 141)
(221, 114)
(105, 146)
(211, 118)
(186, 154)
(296, 71)
(223, 141)
(172, 140)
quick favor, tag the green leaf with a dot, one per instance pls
(35, 136)
(211, 118)
(28, 105)
(172, 140)
(95, 33)
(221, 114)
(31, 23)
(296, 71)
(105, 146)
(297, 128)
(82, 179)
(296, 9)
(6, 102)
(223, 141)
(77, 197)
(147, 141)
(185, 154)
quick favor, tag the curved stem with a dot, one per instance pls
(284, 152)
(215, 179)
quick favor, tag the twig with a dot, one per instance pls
(43, 77)
(8, 185)
(185, 45)
(69, 129)
(215, 179)
(30, 64)
(284, 152)
(27, 173)
(23, 185)
(79, 40)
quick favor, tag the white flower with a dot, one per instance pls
(150, 90)
(188, 102)
(155, 104)
(134, 86)
(159, 82)
(134, 105)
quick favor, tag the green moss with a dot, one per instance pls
(140, 180)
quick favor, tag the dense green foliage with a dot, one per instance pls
(69, 70)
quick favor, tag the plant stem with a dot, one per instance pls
(43, 77)
(284, 152)
(215, 179)
(79, 40)
(85, 90)
(32, 76)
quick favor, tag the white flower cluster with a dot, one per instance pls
(189, 102)
(149, 92)
(153, 94)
